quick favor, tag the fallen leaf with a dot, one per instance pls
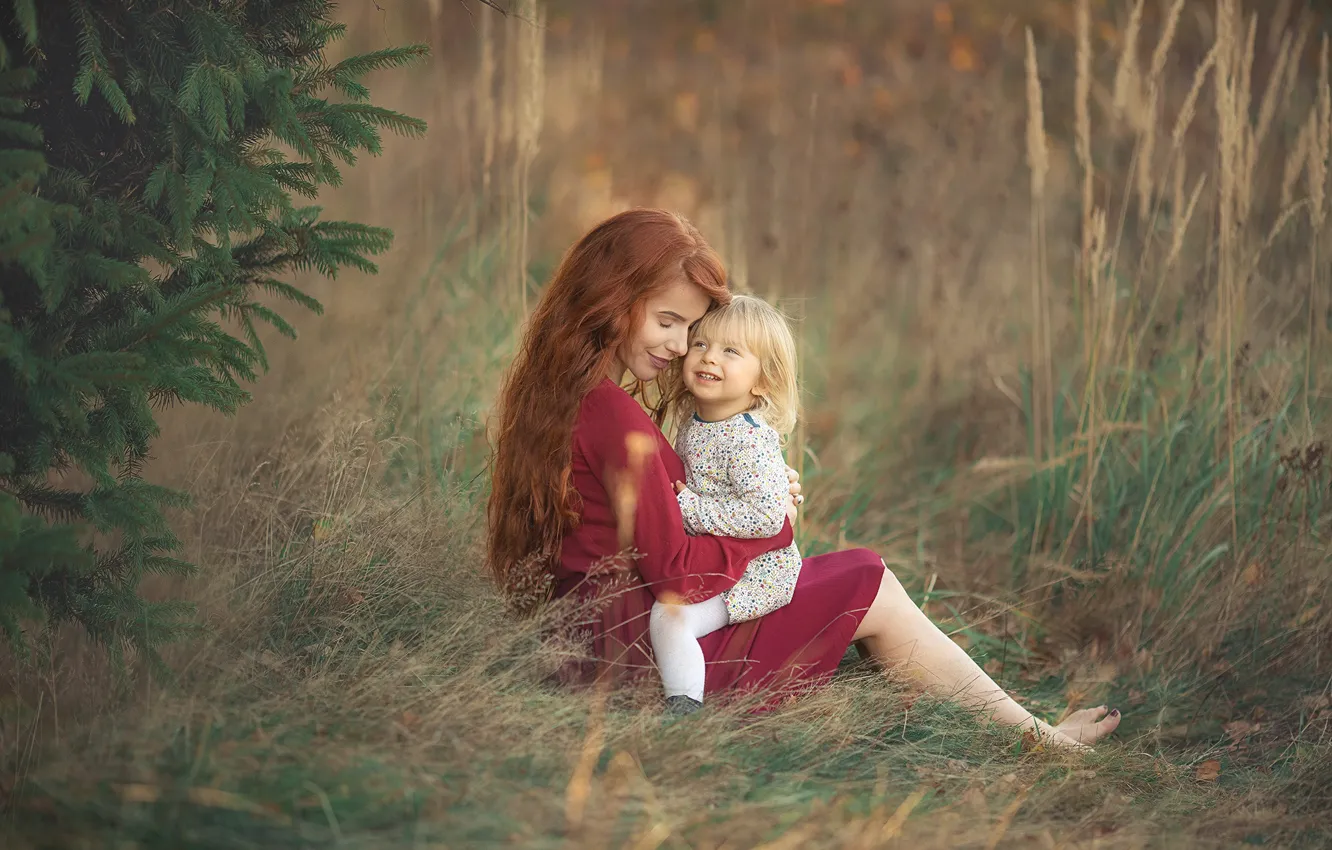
(1238, 730)
(1208, 771)
(1253, 574)
(352, 596)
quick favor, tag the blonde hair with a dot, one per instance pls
(765, 331)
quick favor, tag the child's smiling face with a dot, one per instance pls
(723, 376)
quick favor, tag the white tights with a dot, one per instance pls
(675, 630)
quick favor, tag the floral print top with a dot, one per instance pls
(736, 486)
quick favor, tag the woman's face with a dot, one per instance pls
(663, 334)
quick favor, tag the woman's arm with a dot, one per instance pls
(625, 452)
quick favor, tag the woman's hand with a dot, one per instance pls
(794, 478)
(796, 498)
(679, 486)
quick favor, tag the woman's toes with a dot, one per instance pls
(1092, 732)
(1084, 717)
(1110, 723)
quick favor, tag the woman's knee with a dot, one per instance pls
(890, 588)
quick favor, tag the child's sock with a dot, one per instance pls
(675, 631)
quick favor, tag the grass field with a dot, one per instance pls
(1086, 422)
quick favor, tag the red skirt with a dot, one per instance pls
(797, 646)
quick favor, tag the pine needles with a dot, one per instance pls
(174, 163)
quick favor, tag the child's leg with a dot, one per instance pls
(675, 630)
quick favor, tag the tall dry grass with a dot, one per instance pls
(1061, 295)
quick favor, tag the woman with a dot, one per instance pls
(583, 508)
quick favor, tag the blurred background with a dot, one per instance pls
(1063, 302)
(984, 322)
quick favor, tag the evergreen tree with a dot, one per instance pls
(149, 156)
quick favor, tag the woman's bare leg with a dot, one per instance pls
(898, 635)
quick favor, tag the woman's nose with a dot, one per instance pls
(678, 345)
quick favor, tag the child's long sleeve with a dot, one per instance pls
(755, 504)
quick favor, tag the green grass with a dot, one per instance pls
(376, 696)
(361, 685)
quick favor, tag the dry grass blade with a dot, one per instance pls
(795, 838)
(1082, 119)
(1319, 141)
(1146, 156)
(638, 448)
(579, 789)
(1038, 162)
(1064, 500)
(213, 798)
(1037, 154)
(1190, 106)
(531, 51)
(1127, 90)
(1181, 223)
(1006, 819)
(893, 826)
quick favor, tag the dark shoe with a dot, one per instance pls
(680, 705)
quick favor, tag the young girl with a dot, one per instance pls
(740, 374)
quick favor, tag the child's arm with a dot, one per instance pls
(756, 504)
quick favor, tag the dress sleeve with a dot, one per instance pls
(624, 448)
(755, 504)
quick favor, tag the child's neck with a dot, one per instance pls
(717, 412)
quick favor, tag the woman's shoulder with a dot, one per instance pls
(609, 398)
(608, 408)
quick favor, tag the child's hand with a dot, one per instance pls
(679, 487)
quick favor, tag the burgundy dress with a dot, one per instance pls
(796, 646)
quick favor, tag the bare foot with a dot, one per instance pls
(1089, 725)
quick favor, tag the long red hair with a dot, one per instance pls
(591, 307)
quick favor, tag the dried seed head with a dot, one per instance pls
(1128, 84)
(1190, 105)
(1082, 85)
(1296, 160)
(1037, 154)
